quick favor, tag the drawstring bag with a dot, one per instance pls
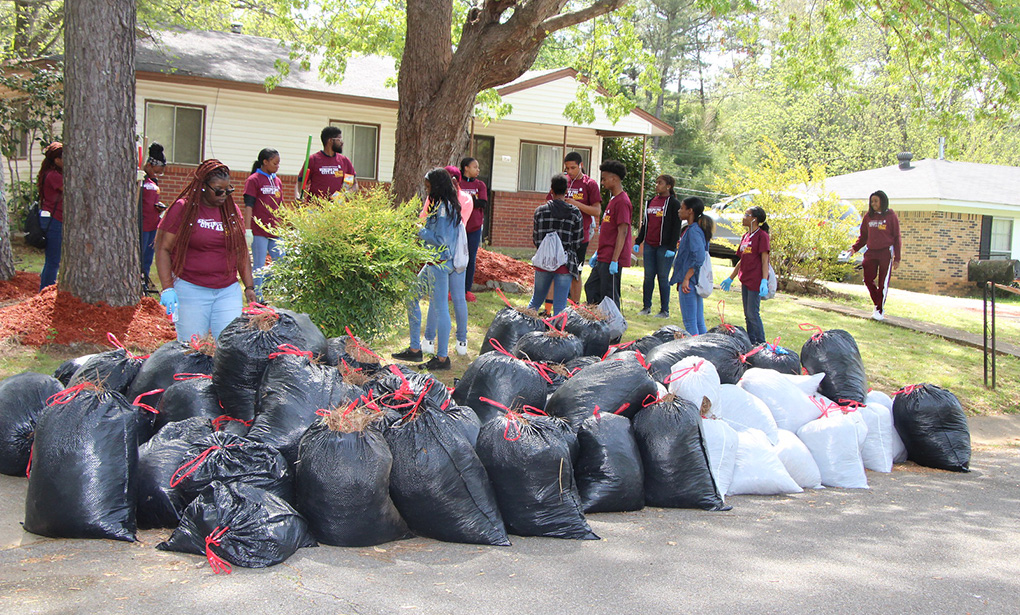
(705, 281)
(550, 255)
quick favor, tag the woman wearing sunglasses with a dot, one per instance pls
(201, 253)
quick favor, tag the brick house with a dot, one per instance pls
(950, 212)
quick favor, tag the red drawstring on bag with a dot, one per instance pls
(551, 322)
(849, 405)
(63, 397)
(360, 346)
(680, 373)
(190, 467)
(822, 406)
(255, 309)
(116, 344)
(197, 344)
(721, 307)
(775, 343)
(223, 419)
(217, 563)
(138, 400)
(908, 389)
(621, 346)
(290, 349)
(750, 353)
(28, 468)
(806, 326)
(622, 408)
(189, 376)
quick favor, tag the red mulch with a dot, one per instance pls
(51, 317)
(21, 286)
(494, 266)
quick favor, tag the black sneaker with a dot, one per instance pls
(408, 355)
(436, 364)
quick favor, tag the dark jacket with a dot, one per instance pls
(670, 225)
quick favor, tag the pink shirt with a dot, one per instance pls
(150, 196)
(207, 262)
(618, 212)
(328, 174)
(268, 195)
(466, 208)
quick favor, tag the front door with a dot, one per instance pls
(482, 151)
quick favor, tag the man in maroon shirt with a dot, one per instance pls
(583, 193)
(330, 172)
(614, 238)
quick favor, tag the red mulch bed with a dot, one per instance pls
(21, 286)
(494, 266)
(51, 317)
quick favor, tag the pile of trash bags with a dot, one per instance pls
(273, 438)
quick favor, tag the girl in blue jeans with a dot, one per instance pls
(51, 209)
(690, 254)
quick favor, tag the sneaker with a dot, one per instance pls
(436, 364)
(462, 348)
(876, 315)
(470, 296)
(428, 347)
(661, 315)
(408, 355)
(645, 312)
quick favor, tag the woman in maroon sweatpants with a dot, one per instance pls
(880, 231)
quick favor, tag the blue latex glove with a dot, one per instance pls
(726, 284)
(636, 248)
(614, 268)
(594, 259)
(763, 289)
(168, 299)
(670, 253)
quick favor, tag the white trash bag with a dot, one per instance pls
(790, 406)
(798, 461)
(758, 470)
(617, 323)
(721, 444)
(696, 380)
(833, 442)
(808, 383)
(738, 406)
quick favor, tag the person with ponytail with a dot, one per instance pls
(690, 255)
(660, 231)
(151, 209)
(201, 253)
(50, 182)
(263, 194)
(475, 188)
(753, 269)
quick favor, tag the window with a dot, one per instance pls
(361, 145)
(179, 129)
(540, 162)
(1001, 239)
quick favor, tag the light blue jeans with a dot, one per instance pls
(692, 310)
(202, 310)
(439, 310)
(260, 247)
(560, 283)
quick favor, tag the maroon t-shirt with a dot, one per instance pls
(654, 213)
(328, 174)
(53, 194)
(150, 196)
(752, 246)
(585, 190)
(617, 212)
(207, 262)
(475, 188)
(268, 195)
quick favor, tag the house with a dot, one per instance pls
(950, 212)
(202, 95)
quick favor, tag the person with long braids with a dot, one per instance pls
(151, 209)
(201, 252)
(690, 254)
(50, 182)
(263, 194)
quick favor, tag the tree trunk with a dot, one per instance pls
(100, 260)
(6, 255)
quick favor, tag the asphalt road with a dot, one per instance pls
(918, 541)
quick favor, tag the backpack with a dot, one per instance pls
(550, 255)
(705, 280)
(35, 234)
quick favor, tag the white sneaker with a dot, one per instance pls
(462, 348)
(876, 315)
(428, 346)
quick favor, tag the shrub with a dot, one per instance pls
(350, 262)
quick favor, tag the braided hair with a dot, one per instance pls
(233, 228)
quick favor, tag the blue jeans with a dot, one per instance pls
(752, 315)
(260, 246)
(54, 238)
(202, 310)
(692, 310)
(438, 308)
(560, 283)
(148, 251)
(657, 266)
(474, 240)
(414, 308)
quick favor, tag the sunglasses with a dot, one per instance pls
(220, 191)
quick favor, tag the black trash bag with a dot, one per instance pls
(438, 483)
(670, 333)
(581, 362)
(466, 419)
(591, 326)
(243, 349)
(674, 456)
(933, 427)
(342, 482)
(835, 353)
(293, 390)
(722, 351)
(551, 346)
(615, 386)
(772, 356)
(83, 475)
(229, 458)
(351, 351)
(22, 398)
(69, 368)
(158, 504)
(398, 385)
(529, 460)
(736, 332)
(645, 344)
(608, 470)
(170, 359)
(240, 524)
(188, 397)
(504, 379)
(555, 375)
(508, 326)
(113, 370)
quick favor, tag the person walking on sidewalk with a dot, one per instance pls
(690, 255)
(614, 238)
(753, 269)
(880, 232)
(660, 231)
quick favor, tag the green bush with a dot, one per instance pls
(350, 262)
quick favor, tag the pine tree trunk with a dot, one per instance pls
(100, 260)
(6, 255)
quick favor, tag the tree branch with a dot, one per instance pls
(558, 22)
